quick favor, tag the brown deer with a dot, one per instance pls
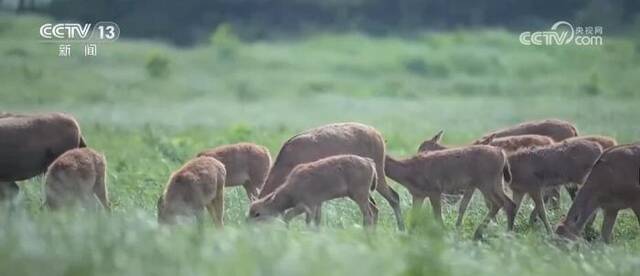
(604, 141)
(612, 185)
(461, 169)
(29, 143)
(199, 184)
(310, 184)
(514, 143)
(508, 143)
(76, 177)
(557, 130)
(329, 140)
(517, 142)
(247, 164)
(535, 169)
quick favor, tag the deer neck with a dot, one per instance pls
(582, 208)
(280, 200)
(398, 170)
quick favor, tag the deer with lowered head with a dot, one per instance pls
(612, 185)
(199, 184)
(464, 169)
(246, 164)
(310, 184)
(535, 169)
(329, 140)
(77, 177)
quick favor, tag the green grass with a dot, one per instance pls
(464, 82)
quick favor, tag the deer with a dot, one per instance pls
(310, 184)
(197, 185)
(77, 177)
(509, 144)
(247, 164)
(612, 185)
(29, 143)
(535, 169)
(328, 140)
(558, 130)
(452, 170)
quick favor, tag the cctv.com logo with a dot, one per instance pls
(69, 32)
(563, 33)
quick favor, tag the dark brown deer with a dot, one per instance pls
(612, 185)
(29, 143)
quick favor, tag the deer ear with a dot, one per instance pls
(438, 136)
(487, 140)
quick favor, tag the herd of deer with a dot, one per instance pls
(347, 160)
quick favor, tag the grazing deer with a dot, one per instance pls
(461, 169)
(246, 164)
(199, 184)
(29, 143)
(329, 140)
(612, 185)
(538, 168)
(76, 177)
(310, 184)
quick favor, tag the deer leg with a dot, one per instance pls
(553, 197)
(317, 216)
(216, 206)
(548, 196)
(100, 191)
(493, 211)
(436, 204)
(464, 203)
(608, 223)
(367, 215)
(310, 215)
(533, 217)
(592, 220)
(374, 209)
(539, 207)
(508, 205)
(517, 200)
(391, 196)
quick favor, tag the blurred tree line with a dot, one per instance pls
(190, 21)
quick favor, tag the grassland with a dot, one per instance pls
(148, 118)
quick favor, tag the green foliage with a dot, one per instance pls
(592, 86)
(157, 65)
(225, 41)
